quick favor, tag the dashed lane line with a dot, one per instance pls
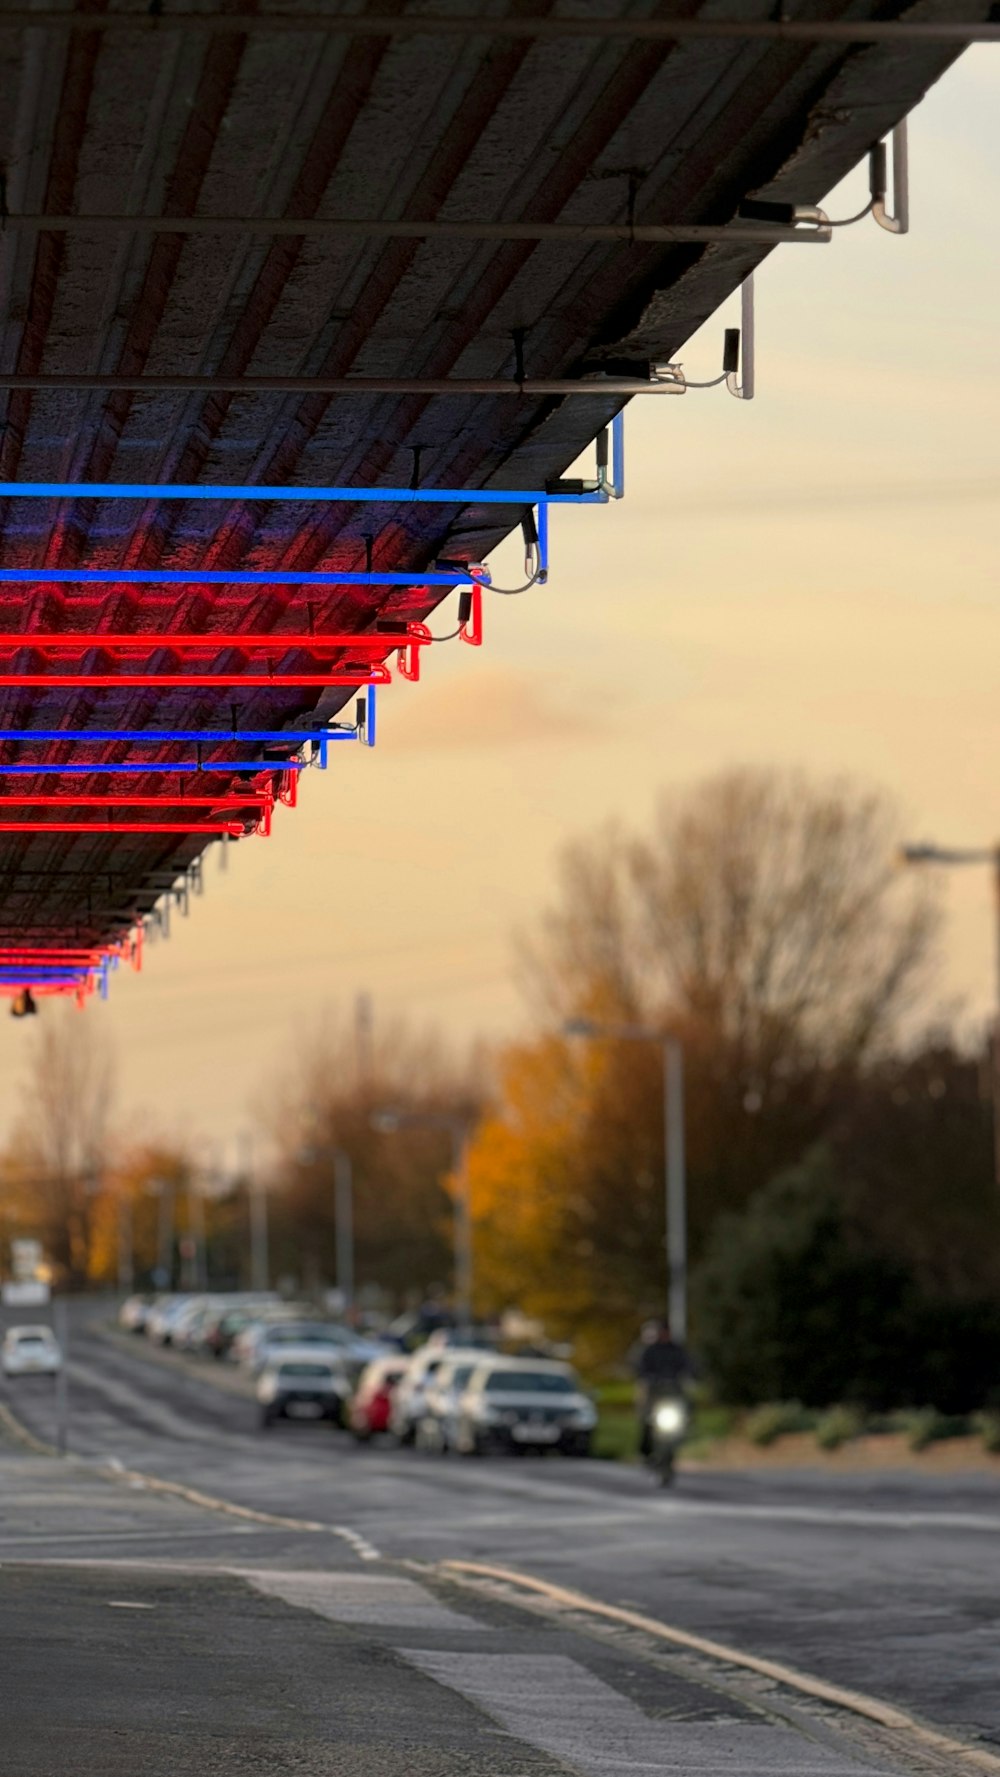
(210, 1502)
(885, 1715)
(116, 1471)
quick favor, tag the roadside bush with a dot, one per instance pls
(765, 1424)
(795, 1301)
(988, 1427)
(713, 1421)
(790, 1306)
(928, 1426)
(838, 1426)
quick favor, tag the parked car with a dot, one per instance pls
(462, 1339)
(259, 1325)
(185, 1328)
(437, 1427)
(30, 1351)
(222, 1327)
(371, 1403)
(300, 1385)
(134, 1313)
(163, 1317)
(511, 1404)
(320, 1335)
(411, 1392)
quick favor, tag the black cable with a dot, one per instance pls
(849, 221)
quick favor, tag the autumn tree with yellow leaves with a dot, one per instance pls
(763, 922)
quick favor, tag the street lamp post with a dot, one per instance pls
(126, 1255)
(343, 1213)
(674, 1161)
(260, 1258)
(343, 1209)
(987, 854)
(458, 1128)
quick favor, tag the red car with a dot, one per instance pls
(370, 1407)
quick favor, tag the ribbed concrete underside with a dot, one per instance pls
(183, 122)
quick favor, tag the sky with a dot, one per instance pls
(808, 579)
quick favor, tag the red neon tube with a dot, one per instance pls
(233, 828)
(377, 675)
(230, 799)
(132, 642)
(9, 990)
(88, 958)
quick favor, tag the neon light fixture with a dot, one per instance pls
(378, 675)
(258, 577)
(73, 799)
(362, 731)
(406, 641)
(186, 768)
(609, 484)
(176, 806)
(103, 828)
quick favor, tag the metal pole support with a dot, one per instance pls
(676, 1186)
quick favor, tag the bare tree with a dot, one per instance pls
(764, 910)
(402, 1209)
(59, 1146)
(771, 909)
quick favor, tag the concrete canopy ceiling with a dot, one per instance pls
(187, 121)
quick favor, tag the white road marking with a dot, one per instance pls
(385, 1600)
(887, 1715)
(557, 1705)
(834, 1517)
(114, 1471)
(364, 1550)
(127, 1604)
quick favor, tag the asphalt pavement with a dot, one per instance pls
(292, 1571)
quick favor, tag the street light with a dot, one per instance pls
(459, 1127)
(249, 1176)
(343, 1212)
(675, 1180)
(925, 853)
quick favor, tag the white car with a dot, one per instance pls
(324, 1337)
(524, 1404)
(302, 1384)
(162, 1317)
(134, 1313)
(438, 1424)
(410, 1394)
(30, 1351)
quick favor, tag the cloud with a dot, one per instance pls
(495, 708)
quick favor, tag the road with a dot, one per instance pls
(887, 1585)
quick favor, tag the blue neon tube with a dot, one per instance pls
(153, 736)
(403, 496)
(45, 971)
(228, 577)
(188, 767)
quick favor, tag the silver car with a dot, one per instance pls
(521, 1404)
